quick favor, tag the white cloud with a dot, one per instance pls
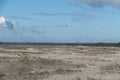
(101, 3)
(5, 24)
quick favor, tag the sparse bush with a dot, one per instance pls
(78, 78)
(89, 78)
(62, 71)
(44, 73)
(81, 66)
(112, 68)
(2, 75)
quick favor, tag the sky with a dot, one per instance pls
(68, 21)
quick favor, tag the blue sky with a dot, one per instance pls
(60, 21)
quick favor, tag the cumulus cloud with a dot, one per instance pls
(101, 3)
(5, 24)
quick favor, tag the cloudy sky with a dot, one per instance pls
(59, 20)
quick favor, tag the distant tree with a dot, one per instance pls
(1, 42)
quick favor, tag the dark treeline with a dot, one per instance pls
(72, 44)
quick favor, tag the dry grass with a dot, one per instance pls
(2, 75)
(30, 62)
(64, 71)
(112, 68)
(29, 68)
(89, 78)
(78, 78)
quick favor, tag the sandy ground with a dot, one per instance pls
(47, 62)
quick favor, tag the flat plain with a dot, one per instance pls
(59, 62)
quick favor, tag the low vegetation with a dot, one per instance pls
(112, 68)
